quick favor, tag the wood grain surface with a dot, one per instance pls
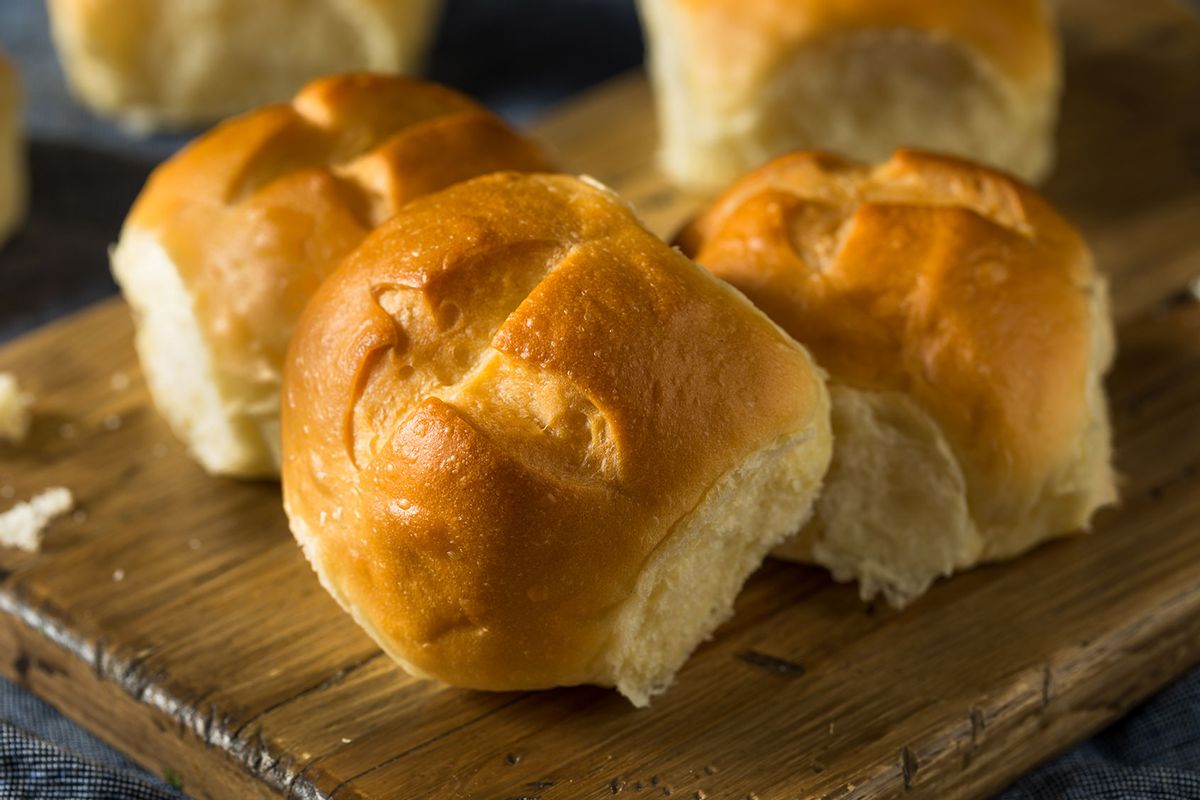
(175, 617)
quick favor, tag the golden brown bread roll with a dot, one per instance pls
(966, 333)
(12, 153)
(741, 81)
(231, 237)
(170, 63)
(526, 444)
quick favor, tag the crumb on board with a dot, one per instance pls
(23, 524)
(14, 409)
(118, 575)
(119, 381)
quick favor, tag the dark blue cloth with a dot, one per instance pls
(520, 57)
(1151, 754)
(44, 756)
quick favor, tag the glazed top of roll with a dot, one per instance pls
(746, 37)
(929, 276)
(498, 407)
(255, 213)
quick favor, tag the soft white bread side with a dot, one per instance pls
(526, 444)
(741, 81)
(966, 333)
(171, 63)
(12, 153)
(231, 237)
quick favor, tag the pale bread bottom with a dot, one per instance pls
(899, 511)
(689, 585)
(178, 364)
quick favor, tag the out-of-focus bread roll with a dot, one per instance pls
(741, 81)
(171, 63)
(15, 409)
(12, 153)
(526, 444)
(231, 237)
(966, 334)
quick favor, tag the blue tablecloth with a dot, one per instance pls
(500, 51)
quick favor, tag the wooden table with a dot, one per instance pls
(176, 618)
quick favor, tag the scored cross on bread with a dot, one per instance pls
(526, 444)
(231, 237)
(966, 333)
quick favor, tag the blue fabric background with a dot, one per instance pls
(520, 57)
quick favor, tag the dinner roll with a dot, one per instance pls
(12, 153)
(231, 237)
(741, 81)
(966, 333)
(170, 63)
(526, 444)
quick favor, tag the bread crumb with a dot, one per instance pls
(119, 381)
(15, 406)
(118, 575)
(112, 422)
(23, 524)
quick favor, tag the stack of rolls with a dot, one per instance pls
(525, 443)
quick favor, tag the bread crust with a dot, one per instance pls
(504, 406)
(746, 37)
(741, 81)
(955, 287)
(256, 213)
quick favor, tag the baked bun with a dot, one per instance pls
(966, 333)
(526, 444)
(12, 153)
(741, 81)
(171, 63)
(231, 237)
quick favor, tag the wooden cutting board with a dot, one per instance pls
(175, 618)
